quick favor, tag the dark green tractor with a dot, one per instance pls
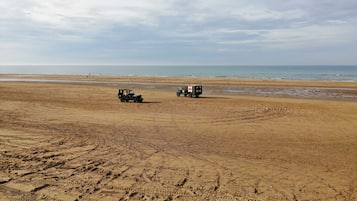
(126, 95)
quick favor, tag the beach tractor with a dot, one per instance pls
(192, 91)
(126, 95)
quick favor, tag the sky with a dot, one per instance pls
(229, 32)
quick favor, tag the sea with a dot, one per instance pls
(280, 72)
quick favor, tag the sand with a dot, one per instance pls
(75, 141)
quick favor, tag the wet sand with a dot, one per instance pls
(75, 141)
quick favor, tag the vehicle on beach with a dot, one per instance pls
(192, 91)
(126, 95)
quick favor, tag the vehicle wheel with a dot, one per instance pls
(178, 94)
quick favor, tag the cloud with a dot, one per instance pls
(241, 10)
(294, 38)
(83, 18)
(65, 14)
(193, 27)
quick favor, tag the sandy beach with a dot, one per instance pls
(76, 141)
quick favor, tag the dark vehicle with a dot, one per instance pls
(193, 91)
(126, 95)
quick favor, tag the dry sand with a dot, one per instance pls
(73, 141)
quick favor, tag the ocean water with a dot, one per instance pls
(328, 73)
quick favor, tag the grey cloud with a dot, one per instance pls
(199, 26)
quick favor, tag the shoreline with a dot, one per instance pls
(272, 72)
(231, 86)
(180, 79)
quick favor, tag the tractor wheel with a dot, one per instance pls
(178, 94)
